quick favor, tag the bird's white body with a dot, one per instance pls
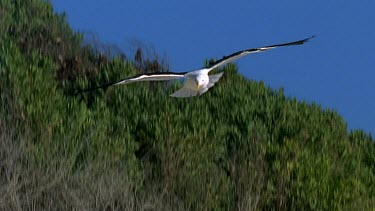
(197, 82)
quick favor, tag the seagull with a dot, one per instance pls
(198, 81)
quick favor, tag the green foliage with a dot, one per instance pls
(240, 146)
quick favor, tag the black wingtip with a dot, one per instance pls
(103, 86)
(304, 40)
(307, 39)
(299, 42)
(83, 91)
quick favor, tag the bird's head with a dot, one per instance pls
(201, 80)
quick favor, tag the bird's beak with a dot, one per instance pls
(199, 86)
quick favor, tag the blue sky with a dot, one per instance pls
(335, 69)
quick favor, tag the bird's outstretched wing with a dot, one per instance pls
(158, 76)
(187, 91)
(239, 54)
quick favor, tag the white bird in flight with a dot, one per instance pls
(197, 82)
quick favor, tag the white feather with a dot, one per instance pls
(185, 92)
(213, 79)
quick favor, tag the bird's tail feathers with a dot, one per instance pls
(185, 92)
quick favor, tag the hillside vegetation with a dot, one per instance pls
(240, 146)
